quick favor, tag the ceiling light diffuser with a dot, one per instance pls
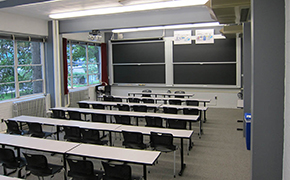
(132, 8)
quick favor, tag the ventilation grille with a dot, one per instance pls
(77, 96)
(30, 107)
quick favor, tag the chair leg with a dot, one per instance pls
(174, 166)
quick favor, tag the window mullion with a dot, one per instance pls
(71, 67)
(87, 62)
(17, 93)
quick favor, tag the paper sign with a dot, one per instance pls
(182, 37)
(204, 36)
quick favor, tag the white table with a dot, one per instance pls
(176, 133)
(161, 94)
(39, 144)
(143, 157)
(60, 122)
(8, 178)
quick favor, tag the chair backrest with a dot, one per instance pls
(81, 168)
(116, 99)
(72, 133)
(35, 129)
(123, 119)
(149, 100)
(133, 138)
(98, 117)
(134, 100)
(58, 114)
(174, 101)
(163, 139)
(123, 107)
(117, 171)
(170, 110)
(98, 106)
(12, 127)
(139, 108)
(179, 92)
(153, 121)
(84, 105)
(146, 91)
(192, 103)
(75, 115)
(37, 164)
(108, 98)
(90, 134)
(8, 159)
(190, 111)
(176, 124)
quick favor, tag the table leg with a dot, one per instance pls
(64, 166)
(57, 132)
(204, 113)
(181, 158)
(144, 172)
(110, 138)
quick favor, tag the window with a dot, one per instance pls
(83, 64)
(21, 68)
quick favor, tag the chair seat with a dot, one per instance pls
(165, 148)
(53, 169)
(83, 176)
(42, 135)
(135, 146)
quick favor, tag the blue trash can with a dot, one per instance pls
(248, 130)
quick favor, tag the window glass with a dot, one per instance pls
(6, 52)
(7, 91)
(83, 70)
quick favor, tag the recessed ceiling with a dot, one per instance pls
(42, 8)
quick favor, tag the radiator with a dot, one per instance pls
(30, 107)
(76, 96)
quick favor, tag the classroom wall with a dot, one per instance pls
(23, 24)
(286, 162)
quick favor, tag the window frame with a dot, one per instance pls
(87, 63)
(16, 65)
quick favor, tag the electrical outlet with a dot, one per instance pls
(215, 97)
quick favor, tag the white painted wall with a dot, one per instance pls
(23, 24)
(286, 162)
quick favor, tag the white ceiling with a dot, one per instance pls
(43, 9)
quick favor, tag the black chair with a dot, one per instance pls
(134, 100)
(179, 92)
(133, 140)
(13, 128)
(123, 107)
(92, 136)
(116, 99)
(35, 130)
(60, 114)
(139, 108)
(126, 120)
(146, 91)
(148, 100)
(153, 121)
(190, 111)
(117, 171)
(192, 103)
(170, 110)
(176, 124)
(98, 118)
(75, 115)
(37, 164)
(163, 142)
(108, 98)
(98, 106)
(174, 102)
(83, 170)
(72, 134)
(84, 105)
(10, 161)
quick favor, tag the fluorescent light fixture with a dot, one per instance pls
(132, 8)
(180, 26)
